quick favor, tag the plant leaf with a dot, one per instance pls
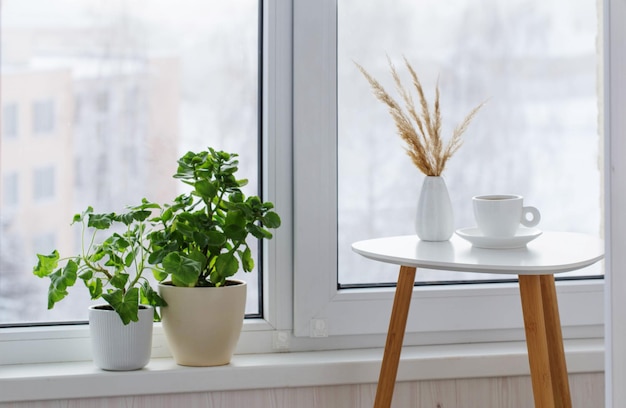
(60, 280)
(247, 262)
(119, 280)
(271, 220)
(46, 264)
(226, 265)
(183, 270)
(125, 304)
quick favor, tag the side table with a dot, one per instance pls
(535, 264)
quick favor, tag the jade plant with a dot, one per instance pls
(112, 269)
(202, 238)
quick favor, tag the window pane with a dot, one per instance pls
(535, 61)
(120, 90)
(9, 121)
(43, 116)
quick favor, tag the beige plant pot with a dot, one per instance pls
(202, 325)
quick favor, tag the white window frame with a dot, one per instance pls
(301, 300)
(444, 314)
(614, 41)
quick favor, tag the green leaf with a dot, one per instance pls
(247, 261)
(119, 280)
(215, 238)
(100, 221)
(236, 197)
(235, 232)
(159, 275)
(150, 297)
(271, 220)
(259, 232)
(46, 264)
(95, 288)
(60, 280)
(226, 264)
(183, 270)
(125, 304)
(236, 217)
(206, 189)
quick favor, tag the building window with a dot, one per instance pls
(43, 116)
(44, 183)
(10, 189)
(10, 121)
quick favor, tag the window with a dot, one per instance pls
(463, 313)
(9, 121)
(300, 114)
(127, 89)
(44, 183)
(538, 134)
(43, 116)
(10, 190)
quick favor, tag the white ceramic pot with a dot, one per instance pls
(119, 347)
(435, 219)
(202, 324)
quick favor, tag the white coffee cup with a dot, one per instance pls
(500, 215)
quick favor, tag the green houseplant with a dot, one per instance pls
(201, 243)
(113, 270)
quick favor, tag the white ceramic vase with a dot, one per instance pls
(119, 347)
(202, 324)
(434, 219)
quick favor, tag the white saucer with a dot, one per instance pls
(521, 238)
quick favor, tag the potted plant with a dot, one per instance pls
(200, 245)
(420, 128)
(112, 270)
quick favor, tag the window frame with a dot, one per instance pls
(614, 43)
(321, 309)
(303, 309)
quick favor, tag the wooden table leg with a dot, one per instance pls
(544, 341)
(395, 336)
(556, 352)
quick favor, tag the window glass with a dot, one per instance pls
(10, 190)
(127, 87)
(43, 116)
(9, 120)
(44, 183)
(535, 62)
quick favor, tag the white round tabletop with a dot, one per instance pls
(551, 252)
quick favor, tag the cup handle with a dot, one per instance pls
(536, 216)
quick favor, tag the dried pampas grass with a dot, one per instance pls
(421, 130)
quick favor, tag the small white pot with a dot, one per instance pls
(202, 324)
(119, 347)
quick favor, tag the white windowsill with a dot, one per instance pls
(298, 369)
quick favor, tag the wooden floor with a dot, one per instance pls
(508, 392)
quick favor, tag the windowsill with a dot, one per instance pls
(279, 370)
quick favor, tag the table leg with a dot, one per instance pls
(395, 336)
(556, 352)
(544, 341)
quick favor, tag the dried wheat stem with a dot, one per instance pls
(421, 131)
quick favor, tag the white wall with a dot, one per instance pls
(505, 392)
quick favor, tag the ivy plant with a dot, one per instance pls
(202, 238)
(112, 269)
